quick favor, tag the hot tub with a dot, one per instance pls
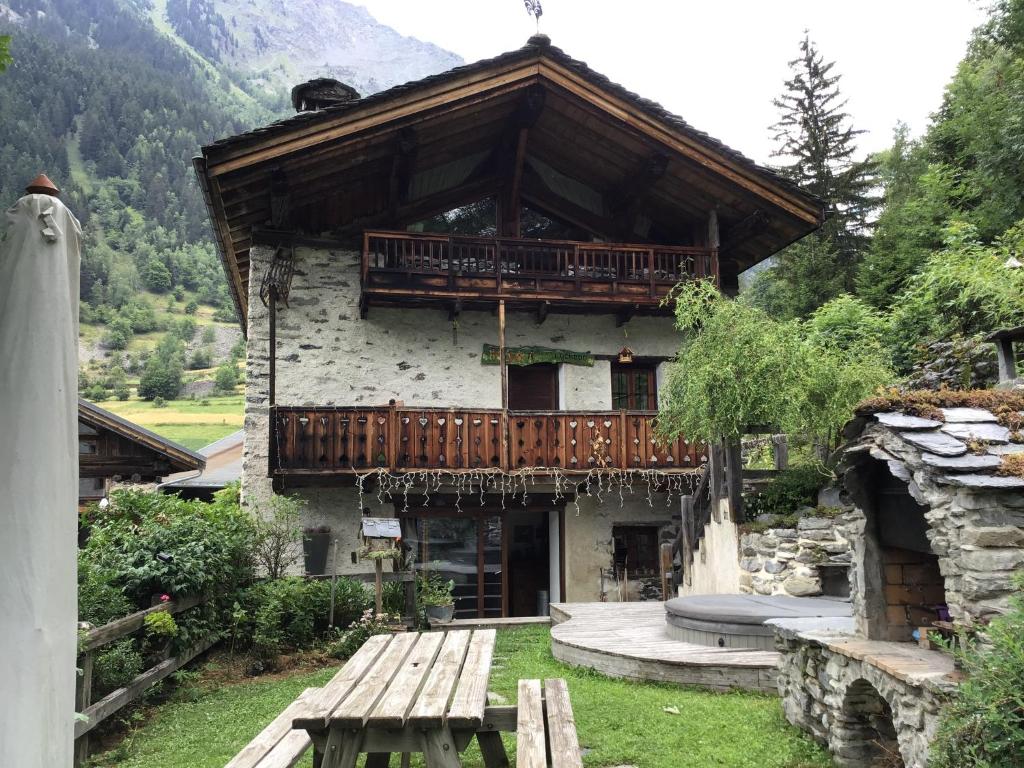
(738, 621)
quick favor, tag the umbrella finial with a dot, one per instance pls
(41, 185)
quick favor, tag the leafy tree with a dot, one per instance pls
(157, 276)
(226, 378)
(162, 375)
(815, 136)
(201, 358)
(119, 333)
(739, 367)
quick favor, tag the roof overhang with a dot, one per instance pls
(405, 154)
(179, 458)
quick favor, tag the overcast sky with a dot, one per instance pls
(719, 63)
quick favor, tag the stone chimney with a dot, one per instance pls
(321, 92)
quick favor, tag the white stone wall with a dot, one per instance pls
(327, 355)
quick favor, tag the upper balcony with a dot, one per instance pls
(562, 275)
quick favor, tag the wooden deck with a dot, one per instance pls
(503, 622)
(630, 640)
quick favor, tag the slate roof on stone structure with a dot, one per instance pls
(963, 448)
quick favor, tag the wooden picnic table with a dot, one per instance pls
(408, 693)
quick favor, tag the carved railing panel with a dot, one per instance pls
(331, 440)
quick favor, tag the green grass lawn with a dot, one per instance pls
(619, 722)
(188, 422)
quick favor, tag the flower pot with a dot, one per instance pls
(314, 551)
(442, 613)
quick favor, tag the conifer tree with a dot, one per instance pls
(817, 142)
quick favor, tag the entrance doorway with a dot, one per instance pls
(499, 560)
(533, 387)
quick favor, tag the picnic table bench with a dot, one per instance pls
(418, 693)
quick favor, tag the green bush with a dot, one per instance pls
(788, 491)
(290, 613)
(116, 665)
(204, 549)
(100, 601)
(160, 625)
(226, 378)
(358, 632)
(982, 726)
(201, 358)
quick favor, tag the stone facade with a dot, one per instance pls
(864, 713)
(327, 355)
(936, 534)
(803, 561)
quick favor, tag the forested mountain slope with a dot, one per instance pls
(112, 99)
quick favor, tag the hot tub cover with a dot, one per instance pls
(753, 609)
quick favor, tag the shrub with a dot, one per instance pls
(116, 665)
(192, 307)
(201, 358)
(352, 639)
(279, 615)
(226, 378)
(160, 625)
(432, 590)
(788, 491)
(96, 393)
(982, 727)
(277, 535)
(209, 334)
(122, 393)
(99, 600)
(204, 549)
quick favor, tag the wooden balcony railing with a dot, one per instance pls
(338, 441)
(400, 265)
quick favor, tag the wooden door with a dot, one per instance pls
(533, 387)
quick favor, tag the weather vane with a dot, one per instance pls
(533, 8)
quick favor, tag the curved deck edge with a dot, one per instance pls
(632, 643)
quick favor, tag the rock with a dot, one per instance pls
(814, 523)
(981, 586)
(830, 497)
(994, 482)
(988, 560)
(1000, 536)
(802, 586)
(968, 415)
(902, 421)
(774, 566)
(935, 442)
(752, 564)
(969, 462)
(816, 535)
(1003, 450)
(784, 533)
(990, 433)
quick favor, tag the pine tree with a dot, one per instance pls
(816, 136)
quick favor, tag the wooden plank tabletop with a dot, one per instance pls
(429, 680)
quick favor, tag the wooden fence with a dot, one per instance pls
(95, 638)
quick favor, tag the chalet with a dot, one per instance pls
(111, 448)
(223, 467)
(495, 384)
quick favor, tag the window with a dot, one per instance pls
(636, 550)
(634, 388)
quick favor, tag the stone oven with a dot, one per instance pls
(937, 534)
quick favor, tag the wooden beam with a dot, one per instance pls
(540, 195)
(509, 158)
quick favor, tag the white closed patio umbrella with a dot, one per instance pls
(39, 262)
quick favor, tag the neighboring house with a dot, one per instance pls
(112, 449)
(223, 467)
(374, 379)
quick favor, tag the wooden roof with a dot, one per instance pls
(598, 156)
(178, 457)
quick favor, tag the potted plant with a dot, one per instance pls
(435, 594)
(315, 543)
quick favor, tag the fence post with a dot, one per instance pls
(780, 451)
(83, 697)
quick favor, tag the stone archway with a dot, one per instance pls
(863, 733)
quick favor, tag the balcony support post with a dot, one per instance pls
(272, 394)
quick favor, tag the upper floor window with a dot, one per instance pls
(634, 387)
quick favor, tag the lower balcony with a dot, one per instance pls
(328, 441)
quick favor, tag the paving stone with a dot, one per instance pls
(935, 442)
(901, 421)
